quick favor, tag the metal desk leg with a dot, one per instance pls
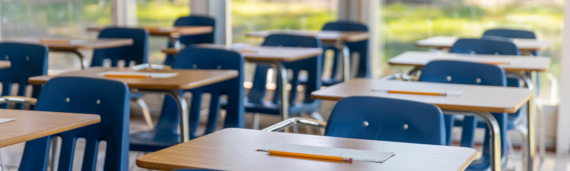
(531, 114)
(345, 60)
(183, 113)
(494, 133)
(282, 74)
(81, 59)
(175, 42)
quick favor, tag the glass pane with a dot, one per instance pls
(255, 15)
(406, 21)
(54, 18)
(160, 13)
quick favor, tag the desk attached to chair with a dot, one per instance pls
(183, 79)
(235, 149)
(75, 45)
(473, 100)
(271, 55)
(445, 42)
(29, 125)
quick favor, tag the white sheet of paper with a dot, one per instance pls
(151, 74)
(3, 120)
(360, 155)
(423, 90)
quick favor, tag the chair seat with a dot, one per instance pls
(148, 140)
(271, 108)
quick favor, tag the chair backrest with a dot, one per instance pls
(360, 47)
(313, 66)
(196, 20)
(211, 59)
(107, 98)
(345, 26)
(26, 60)
(460, 72)
(485, 47)
(193, 20)
(385, 119)
(510, 33)
(137, 52)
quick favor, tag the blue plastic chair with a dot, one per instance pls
(354, 47)
(514, 34)
(137, 52)
(459, 72)
(511, 33)
(193, 20)
(255, 100)
(489, 47)
(164, 134)
(26, 60)
(107, 98)
(375, 118)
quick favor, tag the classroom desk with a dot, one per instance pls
(173, 33)
(445, 42)
(475, 100)
(75, 45)
(512, 63)
(5, 64)
(186, 79)
(336, 37)
(271, 55)
(30, 125)
(517, 64)
(235, 149)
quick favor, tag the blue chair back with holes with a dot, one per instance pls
(193, 20)
(107, 98)
(164, 133)
(26, 60)
(485, 47)
(459, 72)
(137, 52)
(311, 65)
(360, 47)
(375, 118)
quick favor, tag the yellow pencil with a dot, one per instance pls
(495, 63)
(127, 76)
(310, 155)
(418, 93)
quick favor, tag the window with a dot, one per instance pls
(406, 21)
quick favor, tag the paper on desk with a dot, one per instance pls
(151, 74)
(421, 90)
(360, 155)
(2, 120)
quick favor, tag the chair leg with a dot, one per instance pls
(1, 162)
(256, 121)
(146, 113)
(55, 150)
(521, 128)
(511, 152)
